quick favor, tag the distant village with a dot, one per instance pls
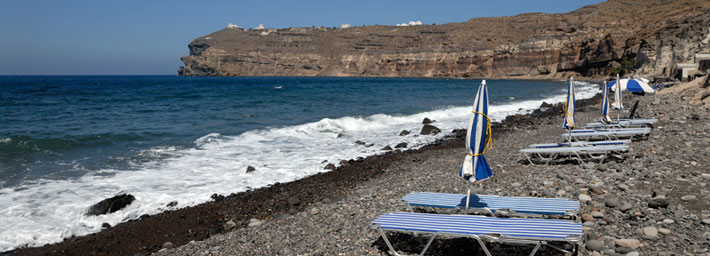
(266, 31)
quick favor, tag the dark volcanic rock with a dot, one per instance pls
(658, 203)
(404, 133)
(387, 148)
(427, 121)
(429, 129)
(251, 168)
(329, 167)
(110, 205)
(401, 145)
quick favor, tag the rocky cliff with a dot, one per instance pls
(618, 36)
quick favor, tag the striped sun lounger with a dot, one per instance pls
(608, 134)
(581, 143)
(624, 123)
(578, 153)
(482, 228)
(490, 204)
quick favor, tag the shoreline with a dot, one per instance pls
(147, 234)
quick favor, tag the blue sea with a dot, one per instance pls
(67, 142)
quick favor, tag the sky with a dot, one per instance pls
(88, 37)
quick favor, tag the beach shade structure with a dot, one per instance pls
(604, 105)
(478, 140)
(568, 107)
(632, 85)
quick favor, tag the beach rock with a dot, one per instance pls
(110, 205)
(584, 198)
(250, 169)
(314, 211)
(664, 231)
(105, 225)
(623, 187)
(625, 207)
(403, 133)
(611, 202)
(292, 200)
(628, 243)
(650, 233)
(597, 215)
(360, 142)
(588, 166)
(217, 197)
(688, 198)
(595, 245)
(253, 222)
(427, 121)
(429, 130)
(172, 204)
(401, 145)
(585, 217)
(706, 221)
(597, 190)
(658, 203)
(387, 148)
(229, 225)
(634, 253)
(168, 245)
(340, 135)
(329, 167)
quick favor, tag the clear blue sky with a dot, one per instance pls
(149, 37)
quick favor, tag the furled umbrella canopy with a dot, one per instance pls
(604, 106)
(478, 140)
(633, 85)
(568, 107)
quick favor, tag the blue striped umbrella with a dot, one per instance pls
(568, 123)
(478, 139)
(634, 85)
(604, 106)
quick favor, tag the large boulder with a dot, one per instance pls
(110, 205)
(429, 129)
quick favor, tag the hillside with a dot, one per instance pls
(618, 36)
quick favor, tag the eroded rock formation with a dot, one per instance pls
(626, 36)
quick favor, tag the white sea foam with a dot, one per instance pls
(47, 211)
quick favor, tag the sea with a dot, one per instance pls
(67, 142)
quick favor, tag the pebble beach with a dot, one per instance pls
(654, 202)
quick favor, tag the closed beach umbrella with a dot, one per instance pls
(634, 85)
(478, 139)
(605, 104)
(618, 103)
(568, 123)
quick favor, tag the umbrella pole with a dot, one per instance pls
(569, 138)
(468, 196)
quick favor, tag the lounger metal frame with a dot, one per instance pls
(611, 134)
(592, 152)
(482, 239)
(571, 214)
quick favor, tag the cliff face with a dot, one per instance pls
(647, 37)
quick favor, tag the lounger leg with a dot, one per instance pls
(529, 160)
(535, 249)
(428, 244)
(483, 245)
(468, 197)
(387, 241)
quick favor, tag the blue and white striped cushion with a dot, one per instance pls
(534, 229)
(534, 205)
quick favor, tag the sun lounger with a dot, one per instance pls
(490, 204)
(578, 153)
(537, 232)
(624, 123)
(608, 134)
(581, 143)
